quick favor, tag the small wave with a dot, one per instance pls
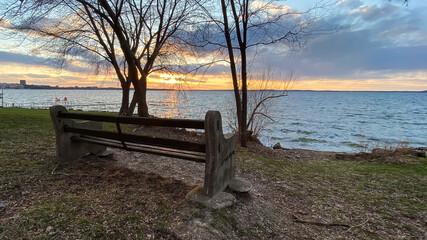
(305, 132)
(353, 114)
(358, 135)
(374, 139)
(285, 130)
(297, 123)
(352, 144)
(306, 139)
(337, 127)
(415, 123)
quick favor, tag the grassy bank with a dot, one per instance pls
(293, 197)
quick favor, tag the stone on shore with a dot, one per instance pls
(277, 146)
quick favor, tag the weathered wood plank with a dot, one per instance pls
(191, 156)
(149, 140)
(161, 122)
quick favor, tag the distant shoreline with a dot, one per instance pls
(44, 87)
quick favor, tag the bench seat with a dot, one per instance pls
(137, 147)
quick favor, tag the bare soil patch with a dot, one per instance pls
(270, 210)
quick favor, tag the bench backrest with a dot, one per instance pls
(125, 138)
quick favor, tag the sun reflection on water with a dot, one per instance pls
(172, 109)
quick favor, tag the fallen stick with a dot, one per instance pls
(358, 225)
(296, 219)
(54, 169)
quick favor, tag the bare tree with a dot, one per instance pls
(131, 36)
(243, 27)
(265, 88)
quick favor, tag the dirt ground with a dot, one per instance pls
(265, 204)
(269, 211)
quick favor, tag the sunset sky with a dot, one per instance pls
(384, 48)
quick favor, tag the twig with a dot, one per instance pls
(54, 169)
(81, 174)
(296, 219)
(358, 225)
(55, 173)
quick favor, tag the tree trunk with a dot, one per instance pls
(233, 70)
(140, 92)
(125, 99)
(132, 106)
(244, 124)
(140, 98)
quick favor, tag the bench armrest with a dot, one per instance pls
(220, 166)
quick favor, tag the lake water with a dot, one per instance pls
(331, 121)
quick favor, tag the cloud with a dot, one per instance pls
(9, 57)
(374, 12)
(27, 59)
(407, 30)
(13, 75)
(348, 54)
(352, 4)
(387, 40)
(192, 80)
(29, 75)
(217, 69)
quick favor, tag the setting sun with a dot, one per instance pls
(172, 80)
(169, 78)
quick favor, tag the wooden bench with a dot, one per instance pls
(75, 139)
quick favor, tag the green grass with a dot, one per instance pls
(83, 201)
(92, 200)
(394, 192)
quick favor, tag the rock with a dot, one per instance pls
(220, 200)
(277, 146)
(380, 152)
(420, 154)
(2, 208)
(105, 153)
(239, 186)
(344, 156)
(49, 229)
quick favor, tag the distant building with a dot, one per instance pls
(11, 86)
(23, 82)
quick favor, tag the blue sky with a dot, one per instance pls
(383, 47)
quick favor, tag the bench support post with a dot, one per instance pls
(220, 167)
(66, 149)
